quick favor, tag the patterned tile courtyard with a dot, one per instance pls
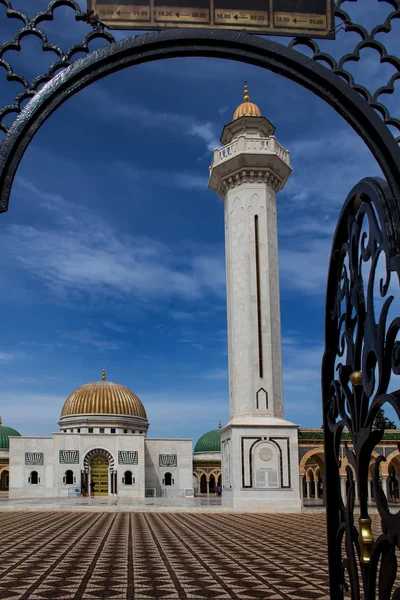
(46, 555)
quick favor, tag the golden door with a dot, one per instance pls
(99, 474)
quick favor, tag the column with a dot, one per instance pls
(301, 487)
(115, 482)
(111, 480)
(385, 488)
(323, 490)
(343, 488)
(208, 487)
(308, 489)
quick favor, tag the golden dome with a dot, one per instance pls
(247, 109)
(103, 397)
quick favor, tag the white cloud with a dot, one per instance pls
(115, 327)
(31, 413)
(82, 256)
(181, 315)
(185, 180)
(218, 374)
(302, 359)
(9, 356)
(132, 113)
(325, 168)
(91, 338)
(305, 267)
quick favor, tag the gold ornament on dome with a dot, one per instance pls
(103, 397)
(247, 109)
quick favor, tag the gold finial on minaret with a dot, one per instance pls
(103, 374)
(1, 421)
(246, 93)
(247, 108)
(219, 424)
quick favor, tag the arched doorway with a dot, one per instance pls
(4, 481)
(203, 484)
(212, 485)
(99, 468)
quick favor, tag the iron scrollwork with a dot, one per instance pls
(31, 26)
(360, 365)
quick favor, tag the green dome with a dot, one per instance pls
(209, 442)
(5, 432)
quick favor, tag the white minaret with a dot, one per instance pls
(259, 448)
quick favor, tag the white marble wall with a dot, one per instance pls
(20, 472)
(260, 467)
(182, 473)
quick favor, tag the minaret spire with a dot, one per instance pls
(103, 374)
(1, 421)
(246, 93)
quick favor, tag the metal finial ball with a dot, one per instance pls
(356, 378)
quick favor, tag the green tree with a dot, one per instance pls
(382, 421)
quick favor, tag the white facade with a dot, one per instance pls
(259, 448)
(147, 461)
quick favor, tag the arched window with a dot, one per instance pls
(34, 478)
(168, 480)
(128, 479)
(69, 477)
(203, 484)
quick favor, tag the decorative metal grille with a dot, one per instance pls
(360, 365)
(167, 460)
(127, 458)
(69, 457)
(97, 30)
(34, 458)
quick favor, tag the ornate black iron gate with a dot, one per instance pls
(362, 352)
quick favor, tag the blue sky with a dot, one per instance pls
(112, 251)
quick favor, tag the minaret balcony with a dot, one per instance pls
(251, 146)
(249, 153)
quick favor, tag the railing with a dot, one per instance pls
(251, 146)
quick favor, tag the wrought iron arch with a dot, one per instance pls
(326, 84)
(362, 353)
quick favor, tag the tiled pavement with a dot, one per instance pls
(65, 555)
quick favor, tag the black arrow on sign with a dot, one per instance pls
(118, 12)
(294, 20)
(177, 15)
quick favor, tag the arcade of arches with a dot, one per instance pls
(312, 465)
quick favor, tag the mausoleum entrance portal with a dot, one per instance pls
(99, 474)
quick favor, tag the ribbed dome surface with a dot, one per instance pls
(103, 397)
(5, 432)
(209, 442)
(247, 109)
